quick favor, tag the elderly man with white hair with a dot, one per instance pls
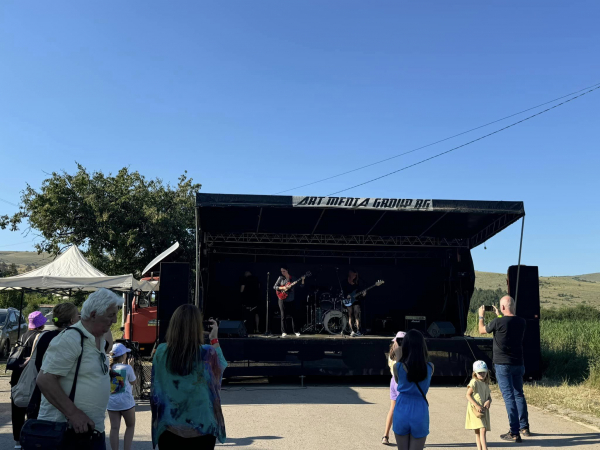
(509, 331)
(80, 346)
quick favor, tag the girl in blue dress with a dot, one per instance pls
(413, 375)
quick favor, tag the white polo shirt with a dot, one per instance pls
(93, 385)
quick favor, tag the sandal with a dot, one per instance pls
(385, 440)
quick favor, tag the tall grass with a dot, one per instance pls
(570, 341)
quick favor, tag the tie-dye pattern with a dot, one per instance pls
(188, 406)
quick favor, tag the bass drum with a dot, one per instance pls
(335, 322)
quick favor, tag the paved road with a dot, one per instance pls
(265, 416)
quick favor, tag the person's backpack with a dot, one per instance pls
(22, 391)
(16, 358)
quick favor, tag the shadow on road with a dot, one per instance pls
(243, 442)
(538, 440)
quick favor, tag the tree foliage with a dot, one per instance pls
(8, 270)
(486, 297)
(119, 222)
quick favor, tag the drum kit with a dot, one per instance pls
(325, 312)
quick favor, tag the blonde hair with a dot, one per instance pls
(486, 380)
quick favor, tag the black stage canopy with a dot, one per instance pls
(351, 221)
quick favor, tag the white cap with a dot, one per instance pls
(480, 366)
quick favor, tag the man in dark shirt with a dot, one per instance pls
(509, 330)
(350, 285)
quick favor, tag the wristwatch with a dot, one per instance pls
(480, 317)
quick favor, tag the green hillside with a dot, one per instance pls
(554, 291)
(25, 260)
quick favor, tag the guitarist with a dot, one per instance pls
(288, 303)
(351, 284)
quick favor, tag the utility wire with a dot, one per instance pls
(10, 203)
(437, 142)
(464, 145)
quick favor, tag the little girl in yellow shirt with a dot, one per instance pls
(480, 399)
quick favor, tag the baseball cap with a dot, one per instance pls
(119, 350)
(480, 366)
(399, 335)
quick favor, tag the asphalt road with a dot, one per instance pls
(265, 416)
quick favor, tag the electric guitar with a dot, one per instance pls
(349, 301)
(283, 294)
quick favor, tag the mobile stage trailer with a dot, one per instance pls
(421, 248)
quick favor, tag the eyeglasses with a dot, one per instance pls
(103, 363)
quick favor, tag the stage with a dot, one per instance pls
(328, 355)
(420, 248)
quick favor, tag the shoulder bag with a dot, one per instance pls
(22, 391)
(44, 434)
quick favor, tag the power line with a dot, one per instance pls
(437, 142)
(18, 243)
(464, 145)
(10, 203)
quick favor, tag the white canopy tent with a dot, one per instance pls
(71, 271)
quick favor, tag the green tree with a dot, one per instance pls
(7, 270)
(120, 222)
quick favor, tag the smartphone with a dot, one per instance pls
(489, 308)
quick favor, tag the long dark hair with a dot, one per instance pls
(415, 356)
(184, 337)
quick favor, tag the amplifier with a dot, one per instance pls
(415, 323)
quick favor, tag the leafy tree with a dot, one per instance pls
(486, 297)
(120, 222)
(7, 270)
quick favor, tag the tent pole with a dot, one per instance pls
(519, 263)
(20, 315)
(197, 288)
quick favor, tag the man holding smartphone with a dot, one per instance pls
(509, 330)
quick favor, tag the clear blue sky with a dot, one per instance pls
(233, 92)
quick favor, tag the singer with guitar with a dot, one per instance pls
(284, 287)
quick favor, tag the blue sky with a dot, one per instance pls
(262, 96)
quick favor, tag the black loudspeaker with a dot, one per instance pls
(439, 329)
(528, 307)
(528, 300)
(174, 292)
(232, 328)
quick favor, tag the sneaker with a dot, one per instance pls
(283, 334)
(17, 445)
(525, 432)
(511, 437)
(353, 334)
(297, 334)
(358, 333)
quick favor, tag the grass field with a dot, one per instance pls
(25, 259)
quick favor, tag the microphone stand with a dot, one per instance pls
(267, 332)
(337, 275)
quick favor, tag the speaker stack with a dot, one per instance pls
(528, 307)
(174, 292)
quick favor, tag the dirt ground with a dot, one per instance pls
(267, 416)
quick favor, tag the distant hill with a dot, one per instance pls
(554, 291)
(25, 260)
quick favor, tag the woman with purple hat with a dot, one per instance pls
(28, 340)
(393, 357)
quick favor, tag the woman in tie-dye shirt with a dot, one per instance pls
(186, 385)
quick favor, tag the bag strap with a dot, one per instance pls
(72, 394)
(421, 391)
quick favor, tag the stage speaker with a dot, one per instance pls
(528, 307)
(528, 300)
(439, 329)
(415, 323)
(232, 328)
(174, 292)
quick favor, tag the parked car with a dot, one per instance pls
(9, 329)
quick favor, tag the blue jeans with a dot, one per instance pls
(510, 381)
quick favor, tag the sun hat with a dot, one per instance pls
(36, 320)
(480, 366)
(399, 335)
(119, 350)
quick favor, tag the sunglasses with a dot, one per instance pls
(103, 364)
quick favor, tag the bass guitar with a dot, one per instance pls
(283, 294)
(349, 301)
